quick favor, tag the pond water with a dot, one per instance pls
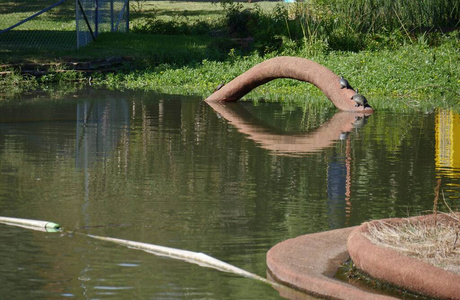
(230, 181)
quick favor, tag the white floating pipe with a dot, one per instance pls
(198, 258)
(31, 224)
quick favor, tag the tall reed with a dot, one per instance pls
(378, 15)
(351, 24)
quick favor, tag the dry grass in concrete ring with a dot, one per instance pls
(438, 244)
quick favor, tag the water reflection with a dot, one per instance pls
(101, 127)
(336, 128)
(169, 170)
(448, 149)
(338, 188)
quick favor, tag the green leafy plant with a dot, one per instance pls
(137, 5)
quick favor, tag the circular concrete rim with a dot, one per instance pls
(389, 265)
(309, 262)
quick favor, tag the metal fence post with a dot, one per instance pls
(96, 20)
(77, 28)
(111, 16)
(127, 16)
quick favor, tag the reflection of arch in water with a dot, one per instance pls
(336, 128)
(289, 67)
(316, 140)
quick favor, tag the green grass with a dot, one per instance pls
(143, 49)
(406, 80)
(61, 17)
(150, 49)
(168, 10)
(53, 29)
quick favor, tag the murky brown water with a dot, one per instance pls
(230, 181)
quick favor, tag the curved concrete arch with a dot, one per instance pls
(290, 67)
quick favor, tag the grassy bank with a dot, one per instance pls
(414, 77)
(190, 51)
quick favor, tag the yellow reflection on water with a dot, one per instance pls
(448, 142)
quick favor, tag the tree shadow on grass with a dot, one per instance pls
(17, 42)
(64, 12)
(151, 50)
(143, 51)
(188, 13)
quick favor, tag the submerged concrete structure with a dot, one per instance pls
(309, 262)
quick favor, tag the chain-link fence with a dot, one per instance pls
(96, 16)
(58, 24)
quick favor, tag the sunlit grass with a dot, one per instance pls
(171, 9)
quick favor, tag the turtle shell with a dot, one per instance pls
(343, 83)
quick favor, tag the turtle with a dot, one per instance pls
(219, 86)
(359, 99)
(344, 83)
